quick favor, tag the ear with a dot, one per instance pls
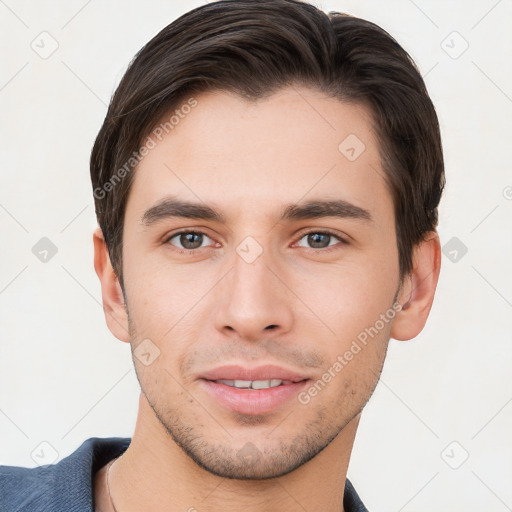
(114, 305)
(418, 289)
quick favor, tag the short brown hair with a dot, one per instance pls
(254, 48)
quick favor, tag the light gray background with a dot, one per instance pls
(65, 378)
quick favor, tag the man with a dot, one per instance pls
(266, 184)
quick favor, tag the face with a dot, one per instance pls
(253, 289)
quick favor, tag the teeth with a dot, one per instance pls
(242, 383)
(262, 384)
(254, 384)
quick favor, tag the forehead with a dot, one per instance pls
(252, 156)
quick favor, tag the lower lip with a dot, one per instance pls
(252, 401)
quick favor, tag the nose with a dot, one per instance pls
(254, 301)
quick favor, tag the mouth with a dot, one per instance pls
(254, 384)
(260, 375)
(253, 391)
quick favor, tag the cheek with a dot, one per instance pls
(345, 297)
(352, 308)
(160, 294)
(164, 308)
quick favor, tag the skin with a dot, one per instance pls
(211, 307)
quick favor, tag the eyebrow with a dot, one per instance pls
(171, 207)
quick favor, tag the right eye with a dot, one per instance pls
(190, 240)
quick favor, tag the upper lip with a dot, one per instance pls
(266, 372)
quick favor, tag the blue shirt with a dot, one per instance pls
(68, 485)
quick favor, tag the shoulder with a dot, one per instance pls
(66, 485)
(21, 488)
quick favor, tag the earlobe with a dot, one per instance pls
(114, 306)
(419, 288)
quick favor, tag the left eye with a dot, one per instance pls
(317, 239)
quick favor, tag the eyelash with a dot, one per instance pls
(342, 240)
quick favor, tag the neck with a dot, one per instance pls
(155, 472)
